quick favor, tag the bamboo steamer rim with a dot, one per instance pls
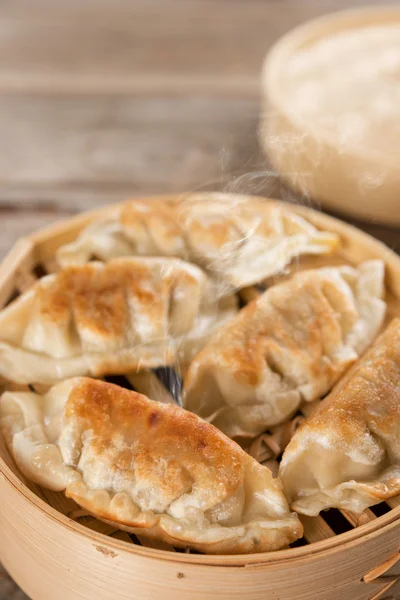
(274, 68)
(349, 539)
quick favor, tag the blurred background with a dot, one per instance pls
(105, 99)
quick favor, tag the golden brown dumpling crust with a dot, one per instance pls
(347, 454)
(238, 240)
(115, 317)
(160, 434)
(290, 345)
(99, 297)
(151, 468)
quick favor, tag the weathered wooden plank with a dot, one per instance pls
(76, 153)
(143, 46)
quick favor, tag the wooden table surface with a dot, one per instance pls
(105, 99)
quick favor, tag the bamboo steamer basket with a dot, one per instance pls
(360, 182)
(53, 550)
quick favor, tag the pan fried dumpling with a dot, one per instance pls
(150, 468)
(347, 454)
(114, 317)
(290, 345)
(239, 240)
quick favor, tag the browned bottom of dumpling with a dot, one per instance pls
(152, 468)
(347, 454)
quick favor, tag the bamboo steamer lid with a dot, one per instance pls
(331, 112)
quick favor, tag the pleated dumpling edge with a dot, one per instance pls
(150, 468)
(289, 346)
(238, 240)
(110, 318)
(347, 454)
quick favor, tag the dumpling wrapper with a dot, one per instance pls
(290, 345)
(238, 240)
(347, 454)
(118, 317)
(147, 467)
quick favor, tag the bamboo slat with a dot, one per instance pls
(356, 520)
(382, 569)
(98, 526)
(316, 529)
(59, 501)
(380, 595)
(122, 536)
(155, 544)
(393, 502)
